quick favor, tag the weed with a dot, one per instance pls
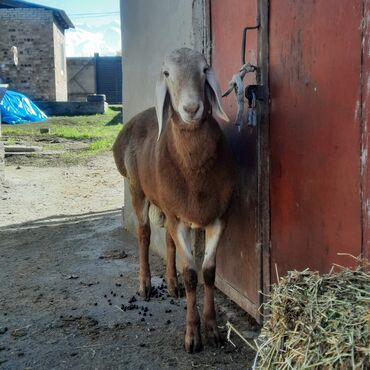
(82, 136)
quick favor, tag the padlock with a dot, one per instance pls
(252, 111)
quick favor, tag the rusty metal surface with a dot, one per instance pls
(365, 145)
(238, 259)
(315, 68)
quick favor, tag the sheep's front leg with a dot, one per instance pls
(172, 281)
(181, 235)
(213, 234)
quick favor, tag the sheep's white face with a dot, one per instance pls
(185, 77)
(185, 83)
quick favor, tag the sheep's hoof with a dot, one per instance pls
(173, 288)
(212, 334)
(193, 339)
(173, 292)
(145, 291)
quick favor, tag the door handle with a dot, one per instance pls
(244, 38)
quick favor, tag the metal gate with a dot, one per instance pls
(304, 175)
(318, 132)
(239, 258)
(109, 78)
(81, 73)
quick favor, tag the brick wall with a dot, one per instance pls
(32, 32)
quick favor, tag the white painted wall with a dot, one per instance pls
(150, 30)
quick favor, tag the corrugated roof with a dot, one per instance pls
(59, 14)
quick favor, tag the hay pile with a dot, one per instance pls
(317, 322)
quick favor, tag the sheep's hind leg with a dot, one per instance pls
(181, 236)
(213, 234)
(172, 281)
(141, 206)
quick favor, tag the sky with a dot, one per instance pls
(97, 25)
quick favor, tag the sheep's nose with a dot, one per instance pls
(191, 108)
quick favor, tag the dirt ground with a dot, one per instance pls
(69, 274)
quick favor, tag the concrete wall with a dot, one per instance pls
(60, 64)
(2, 160)
(81, 72)
(32, 32)
(72, 108)
(2, 150)
(150, 30)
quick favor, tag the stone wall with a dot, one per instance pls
(32, 32)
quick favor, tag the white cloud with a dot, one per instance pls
(86, 40)
(116, 29)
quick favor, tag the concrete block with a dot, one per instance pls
(53, 108)
(22, 148)
(96, 97)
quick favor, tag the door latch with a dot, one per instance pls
(252, 112)
(258, 91)
(252, 93)
(237, 85)
(244, 38)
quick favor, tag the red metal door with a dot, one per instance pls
(365, 138)
(238, 258)
(316, 119)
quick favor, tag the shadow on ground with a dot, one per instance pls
(64, 280)
(118, 119)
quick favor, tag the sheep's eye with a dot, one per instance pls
(166, 73)
(205, 70)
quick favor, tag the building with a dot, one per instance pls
(304, 173)
(35, 33)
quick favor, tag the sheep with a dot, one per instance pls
(177, 160)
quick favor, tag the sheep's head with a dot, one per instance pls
(185, 83)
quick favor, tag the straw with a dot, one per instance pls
(317, 321)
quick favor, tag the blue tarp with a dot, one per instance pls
(17, 108)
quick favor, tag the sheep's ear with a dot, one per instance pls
(213, 93)
(161, 105)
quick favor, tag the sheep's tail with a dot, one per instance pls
(119, 154)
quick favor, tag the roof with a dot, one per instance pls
(60, 15)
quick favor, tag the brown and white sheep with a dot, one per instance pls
(176, 158)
